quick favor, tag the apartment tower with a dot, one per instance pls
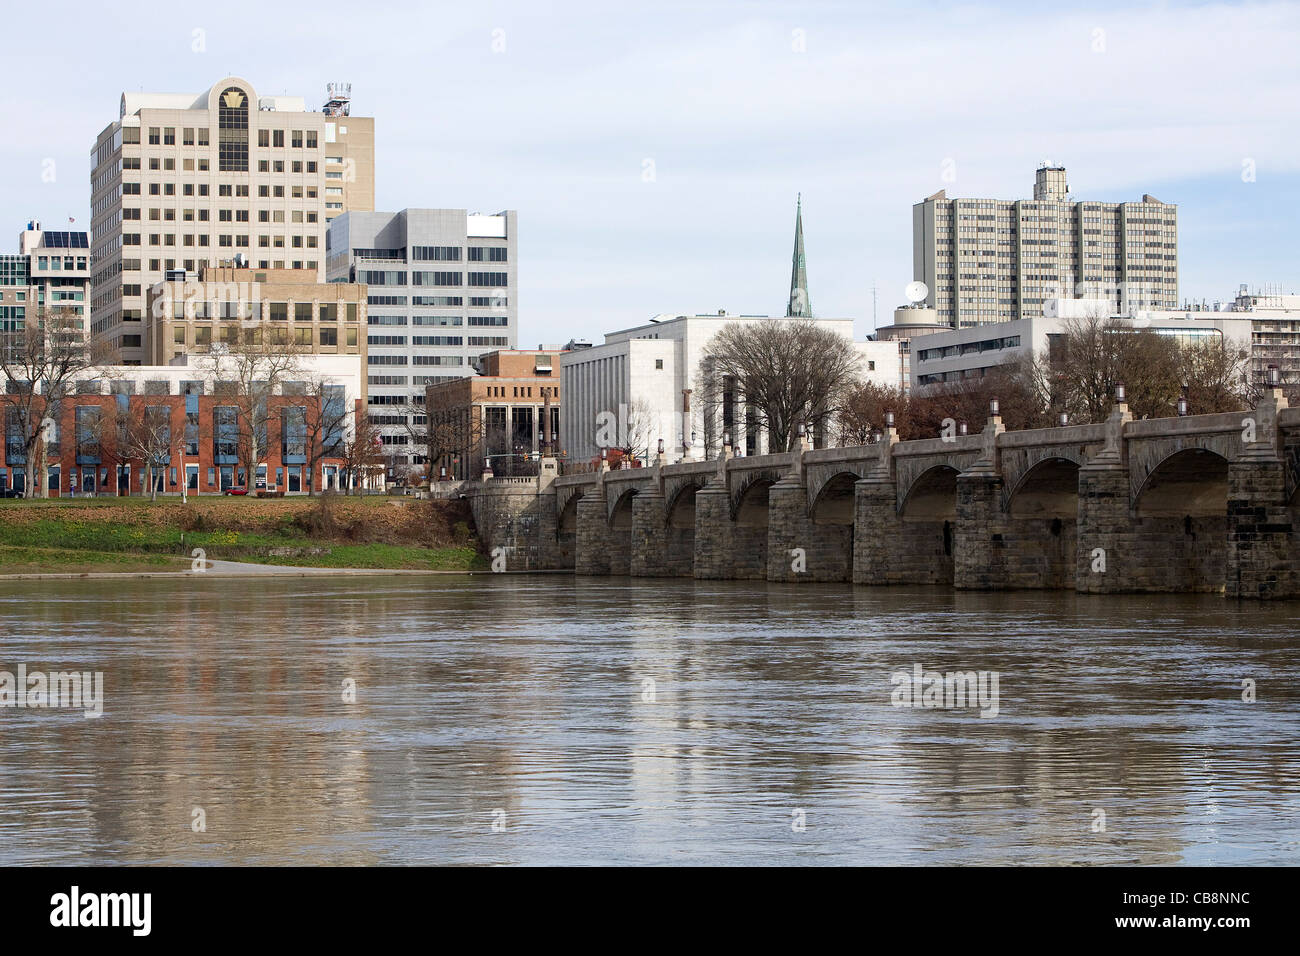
(995, 260)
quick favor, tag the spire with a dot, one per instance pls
(799, 303)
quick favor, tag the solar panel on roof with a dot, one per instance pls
(65, 240)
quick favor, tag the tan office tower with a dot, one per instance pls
(224, 178)
(994, 260)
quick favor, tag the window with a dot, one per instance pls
(232, 120)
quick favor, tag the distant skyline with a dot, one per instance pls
(654, 154)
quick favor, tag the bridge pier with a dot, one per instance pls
(1263, 560)
(593, 538)
(649, 558)
(800, 549)
(894, 548)
(713, 533)
(1105, 541)
(979, 552)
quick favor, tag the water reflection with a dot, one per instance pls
(524, 701)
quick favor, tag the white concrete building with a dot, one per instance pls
(639, 379)
(442, 291)
(970, 352)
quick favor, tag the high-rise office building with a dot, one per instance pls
(994, 260)
(226, 177)
(441, 293)
(50, 273)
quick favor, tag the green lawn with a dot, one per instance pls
(65, 561)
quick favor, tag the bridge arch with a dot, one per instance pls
(679, 527)
(932, 495)
(620, 509)
(1181, 517)
(1041, 528)
(749, 496)
(620, 531)
(1048, 489)
(749, 523)
(833, 503)
(567, 520)
(1190, 481)
(679, 508)
(927, 526)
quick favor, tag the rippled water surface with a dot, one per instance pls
(526, 702)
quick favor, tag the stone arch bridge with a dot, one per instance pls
(1204, 503)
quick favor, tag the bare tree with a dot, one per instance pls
(322, 420)
(863, 410)
(639, 428)
(788, 373)
(144, 433)
(246, 373)
(41, 361)
(1216, 376)
(363, 453)
(1097, 352)
(451, 431)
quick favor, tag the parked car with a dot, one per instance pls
(237, 490)
(11, 493)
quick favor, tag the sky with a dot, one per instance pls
(654, 151)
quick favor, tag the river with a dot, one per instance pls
(551, 720)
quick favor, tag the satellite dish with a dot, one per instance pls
(916, 291)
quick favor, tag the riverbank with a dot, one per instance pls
(133, 536)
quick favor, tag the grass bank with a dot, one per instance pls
(134, 534)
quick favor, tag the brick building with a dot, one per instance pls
(501, 413)
(93, 446)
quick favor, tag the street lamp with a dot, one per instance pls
(1119, 393)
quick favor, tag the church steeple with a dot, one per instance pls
(799, 304)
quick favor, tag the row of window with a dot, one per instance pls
(441, 301)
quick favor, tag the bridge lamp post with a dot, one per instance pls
(1274, 377)
(1063, 419)
(1182, 406)
(1119, 394)
(961, 429)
